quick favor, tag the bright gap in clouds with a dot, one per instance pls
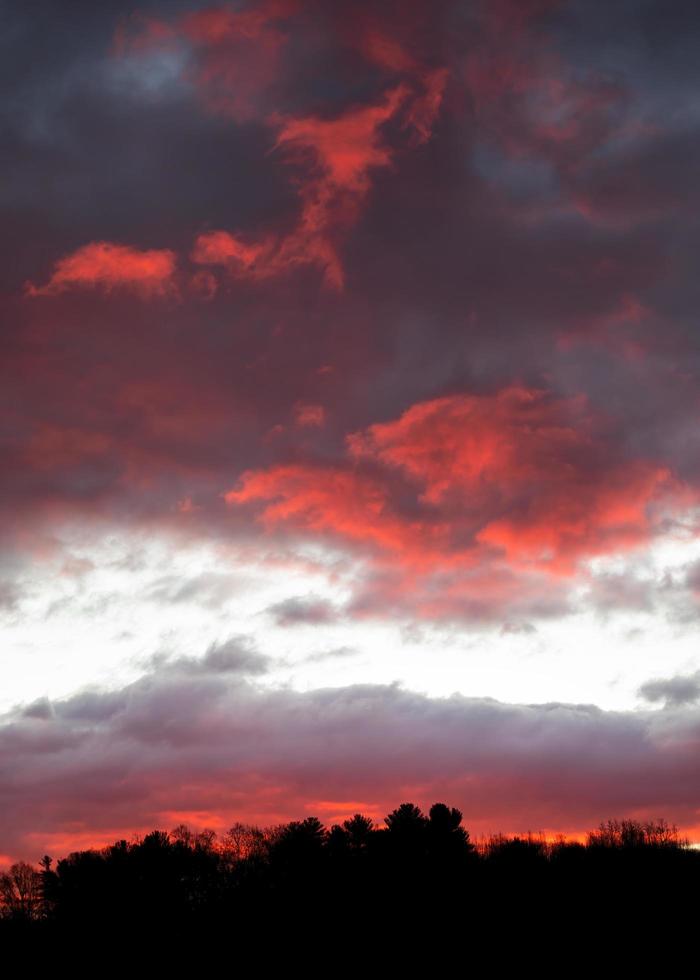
(98, 615)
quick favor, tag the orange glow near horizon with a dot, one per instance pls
(61, 844)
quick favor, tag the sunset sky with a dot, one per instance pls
(350, 388)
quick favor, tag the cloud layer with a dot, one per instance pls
(403, 292)
(196, 740)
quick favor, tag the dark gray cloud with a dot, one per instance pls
(210, 589)
(683, 689)
(518, 629)
(323, 656)
(624, 591)
(10, 594)
(303, 611)
(236, 655)
(41, 708)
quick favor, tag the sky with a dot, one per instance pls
(350, 385)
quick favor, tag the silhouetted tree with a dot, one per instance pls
(298, 847)
(425, 867)
(48, 885)
(405, 845)
(407, 822)
(306, 837)
(243, 841)
(635, 834)
(21, 892)
(448, 841)
(359, 830)
(338, 843)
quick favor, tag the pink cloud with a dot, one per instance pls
(309, 416)
(107, 266)
(518, 473)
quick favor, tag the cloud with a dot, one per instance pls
(683, 689)
(340, 155)
(386, 51)
(622, 591)
(518, 629)
(527, 98)
(338, 653)
(104, 763)
(237, 655)
(519, 473)
(41, 708)
(424, 110)
(335, 159)
(499, 200)
(238, 66)
(221, 248)
(10, 595)
(238, 54)
(210, 589)
(309, 416)
(461, 283)
(477, 507)
(107, 266)
(303, 611)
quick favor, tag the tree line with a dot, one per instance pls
(415, 860)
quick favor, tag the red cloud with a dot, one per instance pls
(386, 51)
(424, 109)
(216, 25)
(338, 156)
(221, 248)
(104, 265)
(306, 416)
(456, 480)
(343, 150)
(239, 54)
(238, 71)
(236, 54)
(323, 499)
(528, 470)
